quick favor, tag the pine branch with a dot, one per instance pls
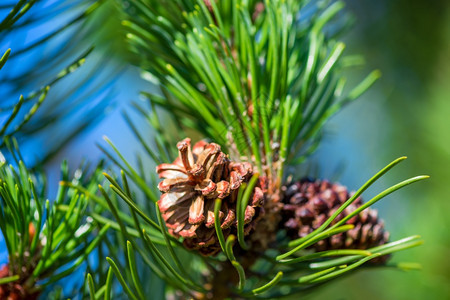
(259, 78)
(46, 241)
(292, 271)
(244, 74)
(42, 74)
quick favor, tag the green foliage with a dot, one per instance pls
(46, 241)
(17, 11)
(285, 270)
(157, 249)
(261, 83)
(264, 81)
(38, 97)
(258, 77)
(23, 120)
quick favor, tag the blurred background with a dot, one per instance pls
(407, 112)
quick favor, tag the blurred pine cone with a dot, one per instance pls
(15, 290)
(307, 204)
(191, 185)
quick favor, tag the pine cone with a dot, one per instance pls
(308, 204)
(191, 185)
(15, 290)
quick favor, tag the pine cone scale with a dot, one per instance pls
(196, 215)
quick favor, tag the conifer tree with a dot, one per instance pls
(248, 86)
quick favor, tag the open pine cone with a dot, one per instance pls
(308, 204)
(192, 184)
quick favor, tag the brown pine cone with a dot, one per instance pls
(308, 204)
(15, 290)
(192, 184)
